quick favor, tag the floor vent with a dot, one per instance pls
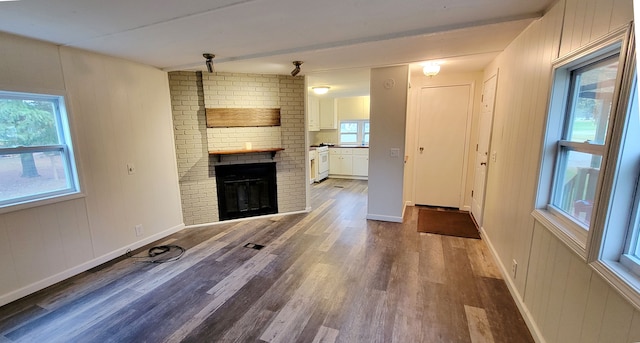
(338, 186)
(253, 246)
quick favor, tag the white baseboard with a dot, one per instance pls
(350, 177)
(524, 311)
(384, 218)
(44, 283)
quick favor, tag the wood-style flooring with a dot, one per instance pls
(326, 276)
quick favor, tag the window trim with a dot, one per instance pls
(360, 134)
(570, 232)
(64, 146)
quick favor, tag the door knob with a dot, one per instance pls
(421, 149)
(483, 163)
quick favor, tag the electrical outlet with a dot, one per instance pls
(514, 268)
(131, 169)
(494, 156)
(139, 230)
(395, 152)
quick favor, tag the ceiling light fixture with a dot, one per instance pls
(209, 61)
(296, 70)
(320, 90)
(431, 69)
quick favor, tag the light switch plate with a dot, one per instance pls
(395, 152)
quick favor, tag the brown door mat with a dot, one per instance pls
(446, 222)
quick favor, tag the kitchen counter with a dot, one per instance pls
(342, 146)
(350, 146)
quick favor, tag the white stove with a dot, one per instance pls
(322, 162)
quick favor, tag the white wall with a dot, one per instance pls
(418, 81)
(564, 299)
(388, 121)
(120, 113)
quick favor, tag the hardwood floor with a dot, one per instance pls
(326, 276)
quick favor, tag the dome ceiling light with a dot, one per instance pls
(321, 89)
(431, 69)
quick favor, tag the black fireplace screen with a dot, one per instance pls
(246, 190)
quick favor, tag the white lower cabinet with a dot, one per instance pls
(361, 165)
(347, 162)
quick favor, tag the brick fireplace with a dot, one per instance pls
(192, 92)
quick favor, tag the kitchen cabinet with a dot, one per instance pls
(361, 162)
(328, 114)
(340, 161)
(349, 162)
(353, 108)
(313, 111)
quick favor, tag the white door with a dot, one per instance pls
(482, 147)
(441, 145)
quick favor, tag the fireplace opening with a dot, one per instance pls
(246, 190)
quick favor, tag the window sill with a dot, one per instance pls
(41, 202)
(620, 278)
(577, 243)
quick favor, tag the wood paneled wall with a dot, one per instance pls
(119, 113)
(565, 299)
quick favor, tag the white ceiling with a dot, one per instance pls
(333, 38)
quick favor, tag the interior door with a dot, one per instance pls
(441, 145)
(482, 147)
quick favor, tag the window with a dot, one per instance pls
(582, 144)
(584, 97)
(366, 133)
(616, 239)
(589, 186)
(354, 132)
(631, 256)
(36, 160)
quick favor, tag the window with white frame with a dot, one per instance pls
(631, 256)
(589, 188)
(582, 143)
(354, 132)
(36, 156)
(584, 96)
(616, 240)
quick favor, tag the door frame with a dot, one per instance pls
(467, 139)
(496, 74)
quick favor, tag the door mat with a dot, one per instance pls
(449, 223)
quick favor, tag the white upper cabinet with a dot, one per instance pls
(328, 114)
(353, 108)
(313, 109)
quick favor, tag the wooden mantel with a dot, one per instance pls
(219, 153)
